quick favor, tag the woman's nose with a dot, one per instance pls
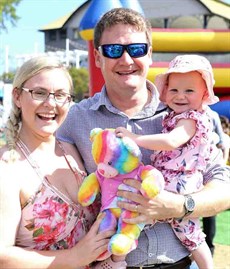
(50, 99)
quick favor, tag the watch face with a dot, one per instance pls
(190, 204)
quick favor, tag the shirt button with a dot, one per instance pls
(150, 255)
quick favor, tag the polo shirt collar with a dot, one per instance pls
(148, 111)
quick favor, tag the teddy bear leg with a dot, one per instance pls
(126, 237)
(108, 223)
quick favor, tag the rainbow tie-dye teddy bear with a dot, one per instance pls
(117, 159)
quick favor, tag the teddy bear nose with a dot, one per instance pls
(101, 171)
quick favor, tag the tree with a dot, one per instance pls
(80, 79)
(8, 13)
(79, 76)
(7, 77)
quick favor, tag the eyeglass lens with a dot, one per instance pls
(42, 95)
(116, 50)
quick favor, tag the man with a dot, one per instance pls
(123, 51)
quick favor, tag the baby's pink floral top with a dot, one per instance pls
(183, 167)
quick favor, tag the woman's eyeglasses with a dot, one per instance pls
(114, 51)
(42, 95)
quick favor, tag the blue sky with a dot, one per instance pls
(25, 38)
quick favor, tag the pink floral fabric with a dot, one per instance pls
(51, 221)
(181, 166)
(182, 169)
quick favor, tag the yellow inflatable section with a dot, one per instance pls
(194, 41)
(190, 40)
(221, 75)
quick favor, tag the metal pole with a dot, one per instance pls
(67, 52)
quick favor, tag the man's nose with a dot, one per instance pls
(126, 57)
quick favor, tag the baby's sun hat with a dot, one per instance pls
(188, 63)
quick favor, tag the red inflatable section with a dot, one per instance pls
(96, 80)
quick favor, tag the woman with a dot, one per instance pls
(42, 225)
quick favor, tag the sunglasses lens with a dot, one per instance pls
(137, 50)
(112, 50)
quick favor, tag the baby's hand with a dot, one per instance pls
(122, 132)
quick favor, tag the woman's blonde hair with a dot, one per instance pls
(28, 70)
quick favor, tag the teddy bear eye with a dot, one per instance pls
(109, 163)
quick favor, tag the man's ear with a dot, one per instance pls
(150, 55)
(97, 57)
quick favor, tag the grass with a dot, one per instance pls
(223, 228)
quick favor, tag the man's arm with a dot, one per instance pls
(215, 196)
(212, 199)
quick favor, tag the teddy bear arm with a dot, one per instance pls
(88, 190)
(152, 181)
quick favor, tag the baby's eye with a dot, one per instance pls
(173, 90)
(189, 90)
(109, 163)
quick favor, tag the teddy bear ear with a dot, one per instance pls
(94, 132)
(132, 147)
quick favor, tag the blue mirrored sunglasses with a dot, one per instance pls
(114, 51)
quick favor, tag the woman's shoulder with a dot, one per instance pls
(9, 156)
(9, 171)
(10, 162)
(72, 154)
(3, 158)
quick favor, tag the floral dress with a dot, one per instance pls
(50, 220)
(183, 169)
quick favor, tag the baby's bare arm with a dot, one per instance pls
(181, 134)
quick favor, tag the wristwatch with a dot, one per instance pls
(189, 205)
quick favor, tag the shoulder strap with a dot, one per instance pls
(79, 174)
(26, 153)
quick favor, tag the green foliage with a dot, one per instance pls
(7, 77)
(79, 76)
(222, 228)
(80, 82)
(8, 13)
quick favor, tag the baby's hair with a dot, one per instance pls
(28, 70)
